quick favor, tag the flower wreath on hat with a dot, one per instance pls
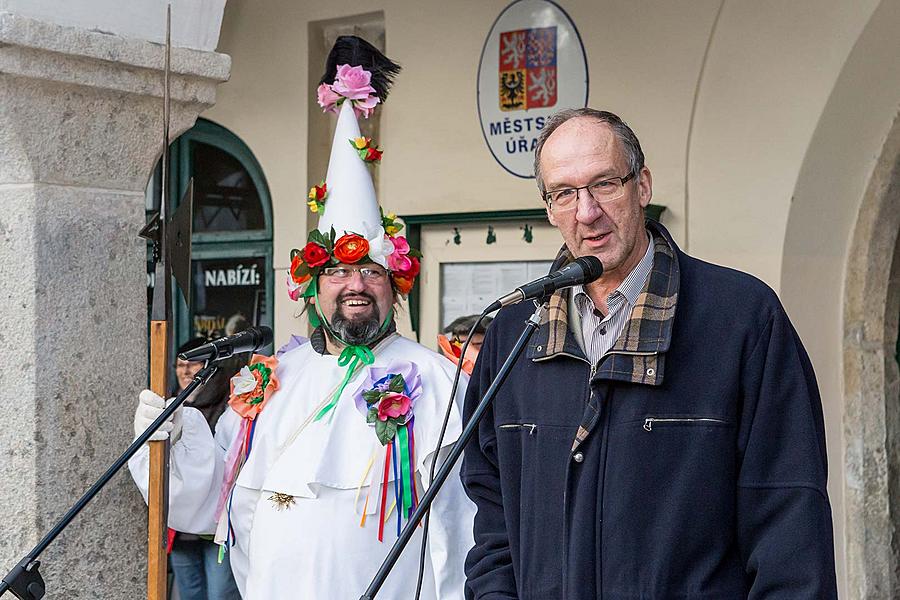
(380, 243)
(323, 250)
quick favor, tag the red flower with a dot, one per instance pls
(373, 155)
(393, 405)
(318, 192)
(315, 255)
(350, 248)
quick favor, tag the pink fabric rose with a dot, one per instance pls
(327, 98)
(400, 244)
(393, 405)
(294, 290)
(399, 263)
(366, 107)
(353, 82)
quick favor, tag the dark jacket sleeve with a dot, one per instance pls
(784, 517)
(489, 570)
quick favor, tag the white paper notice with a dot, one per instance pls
(467, 288)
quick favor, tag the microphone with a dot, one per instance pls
(584, 270)
(249, 340)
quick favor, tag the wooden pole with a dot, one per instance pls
(157, 500)
(160, 316)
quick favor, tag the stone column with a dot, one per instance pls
(80, 131)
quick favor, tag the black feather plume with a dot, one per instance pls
(355, 51)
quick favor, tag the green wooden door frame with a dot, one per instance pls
(414, 224)
(222, 244)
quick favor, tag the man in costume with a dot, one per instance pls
(662, 436)
(311, 475)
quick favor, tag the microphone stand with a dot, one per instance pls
(531, 326)
(24, 580)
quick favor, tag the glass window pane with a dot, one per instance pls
(227, 291)
(225, 198)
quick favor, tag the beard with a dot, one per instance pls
(361, 329)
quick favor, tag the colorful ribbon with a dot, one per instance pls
(405, 478)
(400, 459)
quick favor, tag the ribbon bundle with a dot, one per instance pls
(387, 398)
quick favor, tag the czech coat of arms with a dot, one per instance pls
(527, 68)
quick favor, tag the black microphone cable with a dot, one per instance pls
(437, 449)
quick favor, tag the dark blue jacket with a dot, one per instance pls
(690, 463)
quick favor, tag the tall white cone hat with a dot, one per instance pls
(351, 206)
(351, 194)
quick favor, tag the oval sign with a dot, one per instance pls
(532, 65)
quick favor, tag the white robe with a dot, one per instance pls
(316, 549)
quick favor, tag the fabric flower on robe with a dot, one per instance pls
(411, 378)
(252, 387)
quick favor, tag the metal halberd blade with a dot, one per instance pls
(178, 242)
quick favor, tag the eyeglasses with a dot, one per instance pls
(605, 190)
(370, 274)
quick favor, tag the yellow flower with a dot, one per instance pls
(360, 142)
(312, 193)
(392, 216)
(392, 229)
(313, 206)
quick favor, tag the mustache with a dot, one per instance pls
(355, 295)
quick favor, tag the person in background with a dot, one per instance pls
(455, 335)
(194, 558)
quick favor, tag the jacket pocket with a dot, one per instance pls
(669, 482)
(665, 421)
(534, 457)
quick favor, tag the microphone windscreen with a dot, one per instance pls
(591, 266)
(267, 337)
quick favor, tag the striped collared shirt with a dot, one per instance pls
(599, 333)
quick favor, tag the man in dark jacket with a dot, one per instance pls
(662, 436)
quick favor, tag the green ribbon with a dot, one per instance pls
(312, 291)
(403, 439)
(352, 357)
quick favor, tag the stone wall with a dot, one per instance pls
(80, 130)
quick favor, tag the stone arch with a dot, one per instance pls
(839, 284)
(872, 384)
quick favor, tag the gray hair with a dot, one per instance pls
(622, 131)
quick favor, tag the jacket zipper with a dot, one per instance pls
(631, 353)
(529, 426)
(649, 421)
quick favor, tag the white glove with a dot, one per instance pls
(149, 407)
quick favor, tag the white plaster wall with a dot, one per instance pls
(195, 23)
(771, 68)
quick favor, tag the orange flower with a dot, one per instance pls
(299, 271)
(351, 248)
(403, 283)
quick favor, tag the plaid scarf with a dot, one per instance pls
(638, 356)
